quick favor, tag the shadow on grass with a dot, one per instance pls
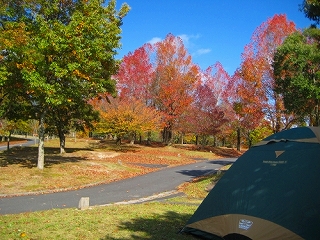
(28, 156)
(111, 145)
(160, 226)
(125, 145)
(219, 151)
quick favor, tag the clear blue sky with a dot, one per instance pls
(212, 30)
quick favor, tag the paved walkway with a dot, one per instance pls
(137, 189)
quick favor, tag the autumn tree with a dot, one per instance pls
(135, 75)
(206, 114)
(246, 101)
(77, 116)
(123, 117)
(175, 80)
(257, 69)
(69, 53)
(13, 41)
(7, 128)
(297, 71)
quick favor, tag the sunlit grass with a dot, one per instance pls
(143, 221)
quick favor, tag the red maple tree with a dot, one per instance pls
(135, 75)
(260, 52)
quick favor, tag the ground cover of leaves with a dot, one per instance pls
(90, 162)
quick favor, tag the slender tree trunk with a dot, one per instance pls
(62, 139)
(278, 113)
(249, 140)
(167, 134)
(238, 138)
(8, 141)
(149, 138)
(317, 113)
(40, 164)
(223, 141)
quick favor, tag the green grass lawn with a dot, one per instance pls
(138, 221)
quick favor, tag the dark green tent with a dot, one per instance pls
(271, 192)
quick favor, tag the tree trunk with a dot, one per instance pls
(317, 113)
(8, 141)
(62, 138)
(149, 138)
(167, 134)
(40, 164)
(238, 138)
(278, 113)
(249, 140)
(223, 141)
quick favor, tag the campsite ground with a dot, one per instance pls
(93, 162)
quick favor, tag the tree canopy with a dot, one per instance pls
(64, 53)
(311, 9)
(297, 71)
(58, 56)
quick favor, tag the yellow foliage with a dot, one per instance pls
(81, 75)
(25, 65)
(123, 117)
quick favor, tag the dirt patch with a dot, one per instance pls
(96, 155)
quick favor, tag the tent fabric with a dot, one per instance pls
(307, 134)
(270, 192)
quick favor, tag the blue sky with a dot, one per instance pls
(212, 30)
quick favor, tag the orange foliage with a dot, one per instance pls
(176, 77)
(121, 117)
(256, 84)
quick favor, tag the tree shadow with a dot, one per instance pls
(219, 151)
(196, 173)
(222, 162)
(27, 156)
(113, 146)
(156, 227)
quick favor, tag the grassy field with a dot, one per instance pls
(92, 162)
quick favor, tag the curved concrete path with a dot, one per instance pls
(163, 181)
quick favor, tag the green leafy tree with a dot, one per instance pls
(13, 40)
(311, 9)
(7, 127)
(78, 116)
(69, 54)
(297, 72)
